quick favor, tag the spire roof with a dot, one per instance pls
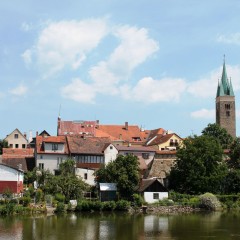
(224, 86)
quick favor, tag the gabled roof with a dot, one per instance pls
(225, 85)
(145, 183)
(17, 162)
(15, 130)
(159, 139)
(2, 164)
(129, 133)
(40, 140)
(89, 145)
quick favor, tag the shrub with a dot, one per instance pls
(96, 206)
(25, 201)
(209, 201)
(165, 202)
(60, 207)
(137, 200)
(108, 206)
(83, 205)
(122, 205)
(194, 202)
(38, 195)
(59, 197)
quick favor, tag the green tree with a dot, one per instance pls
(231, 183)
(3, 144)
(67, 167)
(199, 167)
(219, 133)
(124, 171)
(234, 155)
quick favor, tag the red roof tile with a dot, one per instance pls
(17, 152)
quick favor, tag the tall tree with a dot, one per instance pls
(199, 167)
(219, 133)
(124, 171)
(3, 144)
(234, 155)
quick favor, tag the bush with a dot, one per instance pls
(108, 206)
(137, 200)
(122, 205)
(60, 207)
(59, 197)
(25, 201)
(83, 205)
(38, 195)
(209, 201)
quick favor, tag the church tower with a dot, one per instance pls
(225, 104)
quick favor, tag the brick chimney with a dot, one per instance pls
(126, 125)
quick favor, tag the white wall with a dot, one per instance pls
(48, 147)
(51, 161)
(10, 174)
(80, 172)
(110, 154)
(148, 196)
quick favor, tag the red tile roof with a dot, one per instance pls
(159, 139)
(50, 139)
(17, 152)
(135, 149)
(89, 145)
(76, 128)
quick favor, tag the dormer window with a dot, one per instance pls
(54, 146)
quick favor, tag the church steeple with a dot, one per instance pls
(225, 86)
(225, 103)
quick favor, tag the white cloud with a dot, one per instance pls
(230, 39)
(19, 90)
(27, 57)
(204, 113)
(66, 43)
(207, 86)
(79, 91)
(149, 90)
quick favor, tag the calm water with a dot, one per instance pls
(122, 227)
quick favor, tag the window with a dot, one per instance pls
(227, 106)
(41, 157)
(23, 145)
(228, 113)
(155, 195)
(11, 145)
(85, 176)
(41, 166)
(111, 147)
(54, 147)
(16, 136)
(145, 155)
(16, 145)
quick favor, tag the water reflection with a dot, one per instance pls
(109, 226)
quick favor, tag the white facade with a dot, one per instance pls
(151, 197)
(54, 147)
(10, 174)
(110, 153)
(50, 161)
(86, 175)
(16, 140)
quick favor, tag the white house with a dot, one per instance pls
(152, 190)
(11, 178)
(50, 151)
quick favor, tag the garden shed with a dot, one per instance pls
(152, 190)
(107, 191)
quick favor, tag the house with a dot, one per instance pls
(89, 153)
(152, 190)
(118, 134)
(145, 156)
(16, 139)
(164, 141)
(107, 192)
(50, 151)
(32, 140)
(11, 178)
(162, 164)
(16, 157)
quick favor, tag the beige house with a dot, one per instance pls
(16, 139)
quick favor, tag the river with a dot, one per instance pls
(112, 226)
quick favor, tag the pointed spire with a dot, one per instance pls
(224, 87)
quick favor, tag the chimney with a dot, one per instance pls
(97, 124)
(36, 133)
(25, 135)
(126, 125)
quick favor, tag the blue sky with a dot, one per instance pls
(152, 63)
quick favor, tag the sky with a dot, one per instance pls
(152, 63)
